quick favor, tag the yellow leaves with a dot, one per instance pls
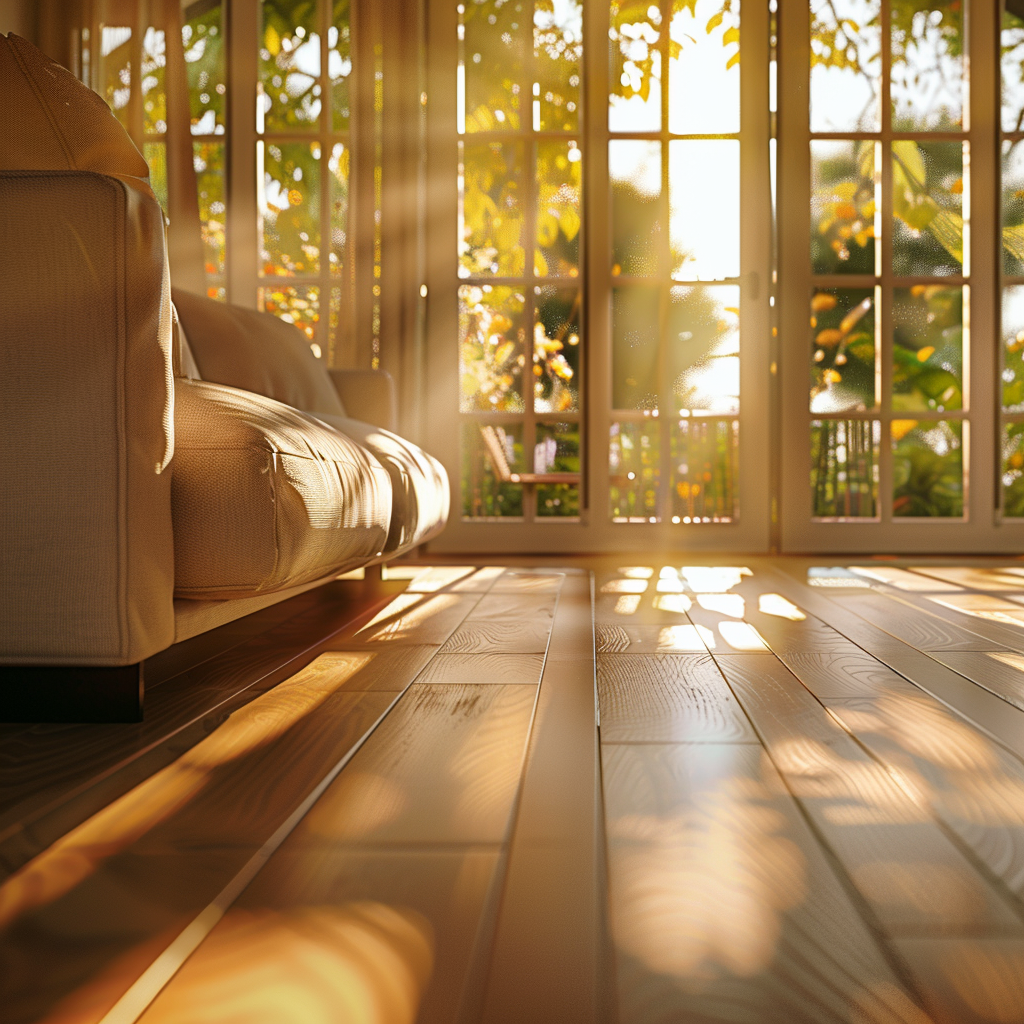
(569, 221)
(924, 354)
(900, 428)
(547, 228)
(822, 302)
(714, 21)
(733, 61)
(504, 353)
(731, 35)
(829, 338)
(295, 197)
(854, 316)
(272, 41)
(845, 211)
(957, 187)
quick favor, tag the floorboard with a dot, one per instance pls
(890, 845)
(444, 767)
(613, 794)
(483, 668)
(723, 907)
(667, 698)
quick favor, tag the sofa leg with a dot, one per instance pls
(44, 693)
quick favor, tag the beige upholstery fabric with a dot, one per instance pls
(368, 395)
(255, 352)
(265, 498)
(419, 483)
(192, 616)
(50, 121)
(86, 555)
(184, 361)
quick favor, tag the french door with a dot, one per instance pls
(599, 243)
(898, 402)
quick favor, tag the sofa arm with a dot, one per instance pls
(86, 556)
(368, 395)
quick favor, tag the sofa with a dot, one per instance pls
(169, 462)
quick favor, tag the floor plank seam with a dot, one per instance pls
(882, 939)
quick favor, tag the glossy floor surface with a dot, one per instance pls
(773, 791)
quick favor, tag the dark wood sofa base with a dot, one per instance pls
(44, 693)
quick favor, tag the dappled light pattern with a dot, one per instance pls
(776, 604)
(361, 962)
(972, 783)
(80, 852)
(727, 604)
(407, 613)
(705, 879)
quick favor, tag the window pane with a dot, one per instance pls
(117, 70)
(927, 199)
(633, 472)
(155, 154)
(558, 54)
(294, 305)
(927, 65)
(1013, 348)
(210, 175)
(339, 165)
(492, 343)
(1013, 470)
(928, 348)
(704, 220)
(634, 170)
(339, 63)
(928, 471)
(491, 453)
(494, 34)
(705, 62)
(635, 101)
(846, 65)
(206, 66)
(154, 91)
(557, 451)
(844, 329)
(845, 221)
(705, 471)
(556, 350)
(1013, 208)
(635, 333)
(1012, 46)
(289, 65)
(490, 210)
(704, 349)
(844, 468)
(290, 208)
(559, 177)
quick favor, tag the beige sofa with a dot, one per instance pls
(163, 471)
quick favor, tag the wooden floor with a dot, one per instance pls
(780, 791)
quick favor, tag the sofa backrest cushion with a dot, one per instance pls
(257, 352)
(50, 121)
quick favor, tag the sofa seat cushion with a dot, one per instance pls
(265, 497)
(419, 483)
(255, 352)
